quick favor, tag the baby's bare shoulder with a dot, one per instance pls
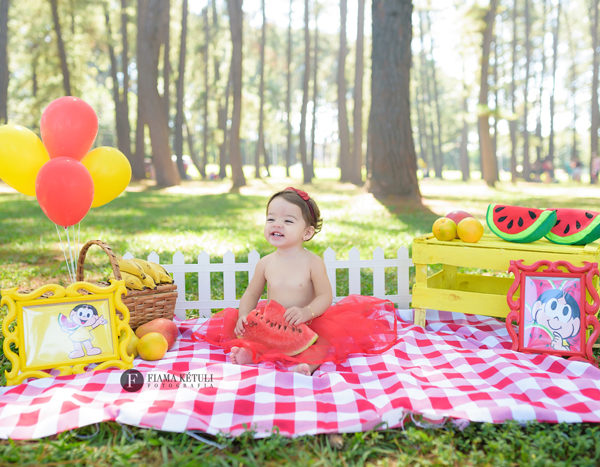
(315, 260)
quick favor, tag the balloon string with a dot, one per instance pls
(64, 252)
(78, 241)
(73, 246)
(70, 246)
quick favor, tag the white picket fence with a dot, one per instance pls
(203, 268)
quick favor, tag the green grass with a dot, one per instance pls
(201, 216)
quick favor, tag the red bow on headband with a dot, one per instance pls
(302, 194)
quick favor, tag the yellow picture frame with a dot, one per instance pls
(56, 331)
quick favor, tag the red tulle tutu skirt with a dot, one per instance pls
(356, 324)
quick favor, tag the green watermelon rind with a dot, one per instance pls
(308, 344)
(542, 225)
(584, 236)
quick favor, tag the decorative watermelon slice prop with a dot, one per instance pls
(519, 224)
(268, 327)
(538, 338)
(575, 227)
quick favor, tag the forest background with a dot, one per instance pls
(498, 89)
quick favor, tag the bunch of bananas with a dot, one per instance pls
(139, 274)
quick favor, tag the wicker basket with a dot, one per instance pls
(144, 305)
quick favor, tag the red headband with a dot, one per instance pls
(305, 197)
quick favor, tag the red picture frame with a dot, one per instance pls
(554, 305)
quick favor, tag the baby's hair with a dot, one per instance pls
(308, 207)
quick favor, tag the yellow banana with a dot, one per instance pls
(163, 276)
(131, 281)
(148, 269)
(131, 267)
(148, 282)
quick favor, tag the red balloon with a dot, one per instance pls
(64, 190)
(68, 127)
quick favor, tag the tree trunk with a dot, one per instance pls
(315, 96)
(554, 70)
(539, 141)
(526, 161)
(489, 164)
(223, 117)
(356, 167)
(261, 95)
(234, 7)
(595, 110)
(152, 17)
(305, 79)
(123, 126)
(223, 99)
(424, 124)
(166, 69)
(573, 92)
(436, 104)
(3, 61)
(190, 142)
(421, 126)
(496, 101)
(61, 49)
(390, 143)
(178, 129)
(343, 128)
(35, 58)
(288, 95)
(138, 160)
(512, 124)
(464, 140)
(205, 133)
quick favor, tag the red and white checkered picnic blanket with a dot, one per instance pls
(459, 368)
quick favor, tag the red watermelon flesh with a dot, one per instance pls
(268, 327)
(539, 338)
(575, 227)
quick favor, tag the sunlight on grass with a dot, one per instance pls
(201, 216)
(204, 216)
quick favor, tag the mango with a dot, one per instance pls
(164, 326)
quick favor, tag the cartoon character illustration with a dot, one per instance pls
(82, 319)
(558, 312)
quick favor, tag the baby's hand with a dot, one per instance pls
(297, 315)
(240, 325)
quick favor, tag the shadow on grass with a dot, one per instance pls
(410, 212)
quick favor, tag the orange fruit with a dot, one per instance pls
(444, 229)
(152, 346)
(469, 230)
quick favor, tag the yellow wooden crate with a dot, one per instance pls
(481, 288)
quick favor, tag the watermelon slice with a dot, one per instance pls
(268, 327)
(519, 224)
(538, 338)
(575, 227)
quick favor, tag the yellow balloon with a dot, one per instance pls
(110, 171)
(22, 155)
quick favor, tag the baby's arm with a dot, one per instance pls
(323, 296)
(251, 296)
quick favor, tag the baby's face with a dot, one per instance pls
(285, 225)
